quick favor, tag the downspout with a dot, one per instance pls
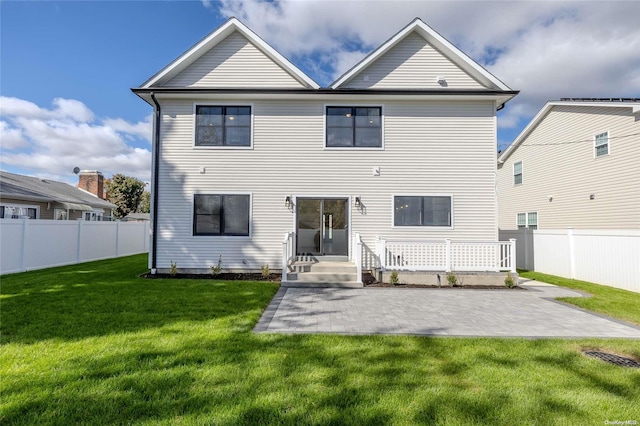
(156, 168)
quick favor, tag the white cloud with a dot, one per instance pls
(10, 137)
(547, 50)
(142, 129)
(53, 141)
(63, 109)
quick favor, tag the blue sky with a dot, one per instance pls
(66, 67)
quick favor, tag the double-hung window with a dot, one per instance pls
(223, 126)
(349, 127)
(221, 214)
(517, 173)
(601, 144)
(422, 210)
(527, 220)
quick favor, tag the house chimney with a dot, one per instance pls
(92, 181)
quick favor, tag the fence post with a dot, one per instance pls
(572, 257)
(381, 248)
(448, 255)
(513, 255)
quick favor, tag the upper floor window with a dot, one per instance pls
(601, 144)
(349, 127)
(221, 214)
(517, 173)
(223, 126)
(422, 210)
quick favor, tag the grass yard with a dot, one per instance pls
(615, 302)
(95, 344)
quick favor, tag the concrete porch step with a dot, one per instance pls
(309, 284)
(322, 274)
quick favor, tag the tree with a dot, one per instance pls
(145, 203)
(125, 192)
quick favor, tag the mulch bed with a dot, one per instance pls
(367, 279)
(225, 276)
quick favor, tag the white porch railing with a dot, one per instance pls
(356, 255)
(446, 255)
(288, 253)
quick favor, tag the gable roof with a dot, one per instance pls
(458, 57)
(633, 104)
(45, 190)
(214, 38)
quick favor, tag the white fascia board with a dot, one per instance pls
(216, 37)
(525, 132)
(439, 42)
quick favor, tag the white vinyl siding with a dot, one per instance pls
(234, 62)
(561, 173)
(431, 147)
(412, 64)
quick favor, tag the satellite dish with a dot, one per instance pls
(76, 170)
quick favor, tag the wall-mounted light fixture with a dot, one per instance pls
(358, 203)
(550, 198)
(287, 201)
(592, 196)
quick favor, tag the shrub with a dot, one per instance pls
(215, 269)
(452, 279)
(393, 278)
(509, 281)
(174, 269)
(264, 269)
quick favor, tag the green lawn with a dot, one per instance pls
(621, 304)
(95, 344)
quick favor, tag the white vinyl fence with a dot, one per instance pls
(608, 257)
(35, 244)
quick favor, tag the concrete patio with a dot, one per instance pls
(530, 313)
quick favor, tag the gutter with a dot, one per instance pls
(156, 168)
(309, 92)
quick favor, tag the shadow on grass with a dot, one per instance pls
(189, 357)
(107, 297)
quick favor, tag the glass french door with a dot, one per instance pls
(322, 227)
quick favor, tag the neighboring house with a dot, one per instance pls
(576, 165)
(137, 217)
(248, 149)
(34, 198)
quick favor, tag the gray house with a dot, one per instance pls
(255, 162)
(34, 198)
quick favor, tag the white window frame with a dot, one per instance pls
(20, 206)
(521, 173)
(526, 220)
(431, 228)
(352, 105)
(595, 146)
(55, 213)
(221, 237)
(221, 104)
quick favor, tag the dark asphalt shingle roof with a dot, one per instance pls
(28, 187)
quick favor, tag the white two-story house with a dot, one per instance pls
(250, 153)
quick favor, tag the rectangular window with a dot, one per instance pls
(18, 212)
(349, 127)
(60, 214)
(223, 126)
(527, 220)
(517, 173)
(221, 215)
(422, 211)
(601, 144)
